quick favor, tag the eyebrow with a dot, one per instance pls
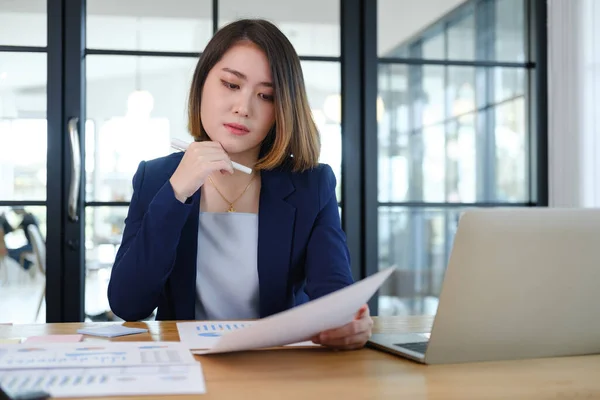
(244, 77)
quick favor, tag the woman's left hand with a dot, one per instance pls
(351, 336)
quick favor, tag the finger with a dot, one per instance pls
(222, 165)
(212, 157)
(364, 310)
(353, 328)
(201, 151)
(200, 148)
(348, 342)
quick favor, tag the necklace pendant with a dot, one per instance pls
(231, 209)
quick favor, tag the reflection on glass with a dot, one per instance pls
(461, 39)
(23, 148)
(448, 134)
(311, 33)
(428, 94)
(509, 83)
(151, 25)
(129, 123)
(23, 23)
(433, 48)
(510, 30)
(460, 89)
(417, 242)
(393, 132)
(403, 22)
(461, 171)
(323, 87)
(23, 79)
(491, 30)
(23, 126)
(511, 152)
(103, 232)
(432, 148)
(428, 183)
(22, 278)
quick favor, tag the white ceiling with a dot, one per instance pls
(185, 25)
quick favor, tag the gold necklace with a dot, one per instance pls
(230, 209)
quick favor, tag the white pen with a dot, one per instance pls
(181, 145)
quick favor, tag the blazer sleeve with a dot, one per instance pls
(327, 255)
(148, 249)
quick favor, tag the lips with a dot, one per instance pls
(237, 129)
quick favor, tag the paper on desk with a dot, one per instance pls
(80, 355)
(54, 339)
(303, 322)
(10, 341)
(96, 382)
(198, 335)
(111, 330)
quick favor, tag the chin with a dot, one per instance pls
(236, 145)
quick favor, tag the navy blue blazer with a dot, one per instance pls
(302, 250)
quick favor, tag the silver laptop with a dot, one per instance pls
(520, 283)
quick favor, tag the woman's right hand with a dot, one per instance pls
(199, 161)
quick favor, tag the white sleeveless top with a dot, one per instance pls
(227, 271)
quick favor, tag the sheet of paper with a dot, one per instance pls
(303, 322)
(107, 354)
(99, 382)
(54, 339)
(111, 330)
(198, 335)
(10, 341)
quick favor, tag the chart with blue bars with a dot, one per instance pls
(215, 330)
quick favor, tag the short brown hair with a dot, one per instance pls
(294, 138)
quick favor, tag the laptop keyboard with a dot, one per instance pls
(418, 347)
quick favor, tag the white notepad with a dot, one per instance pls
(111, 331)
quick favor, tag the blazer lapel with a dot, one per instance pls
(276, 219)
(183, 276)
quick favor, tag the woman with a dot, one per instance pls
(18, 254)
(203, 240)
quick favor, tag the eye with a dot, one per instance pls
(266, 97)
(229, 85)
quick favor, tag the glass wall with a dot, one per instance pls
(453, 134)
(436, 97)
(23, 149)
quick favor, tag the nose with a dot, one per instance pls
(242, 105)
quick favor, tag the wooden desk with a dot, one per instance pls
(316, 374)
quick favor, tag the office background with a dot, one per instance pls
(425, 109)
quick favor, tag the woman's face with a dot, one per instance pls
(237, 107)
